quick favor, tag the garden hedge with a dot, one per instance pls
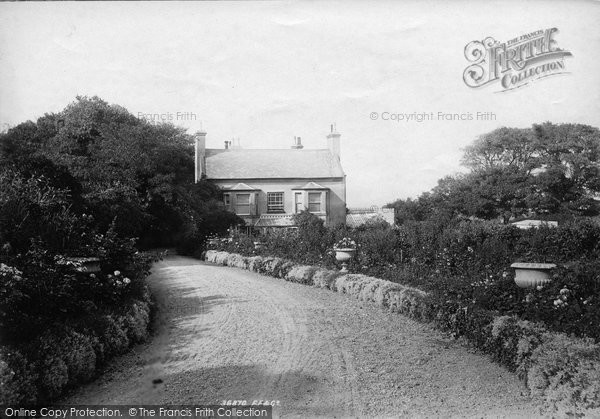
(68, 355)
(562, 371)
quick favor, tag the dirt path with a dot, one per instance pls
(225, 333)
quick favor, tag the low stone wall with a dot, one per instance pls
(562, 371)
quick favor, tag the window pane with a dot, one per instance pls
(275, 202)
(243, 204)
(314, 202)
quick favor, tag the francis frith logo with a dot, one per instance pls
(516, 62)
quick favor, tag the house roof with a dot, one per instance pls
(261, 164)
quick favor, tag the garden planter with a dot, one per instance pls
(531, 275)
(343, 256)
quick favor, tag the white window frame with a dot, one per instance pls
(237, 203)
(275, 207)
(320, 203)
(298, 202)
(227, 200)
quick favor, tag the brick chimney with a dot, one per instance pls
(235, 143)
(297, 143)
(333, 141)
(200, 155)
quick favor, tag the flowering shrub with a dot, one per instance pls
(345, 243)
(68, 354)
(59, 323)
(17, 378)
(467, 262)
(570, 303)
(563, 371)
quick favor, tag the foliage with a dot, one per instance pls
(65, 355)
(467, 262)
(561, 370)
(345, 243)
(42, 289)
(547, 170)
(312, 237)
(122, 170)
(90, 181)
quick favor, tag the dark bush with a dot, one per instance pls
(466, 263)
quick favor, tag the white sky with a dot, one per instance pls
(269, 71)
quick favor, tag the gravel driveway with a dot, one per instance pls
(228, 334)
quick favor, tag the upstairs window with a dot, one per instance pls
(242, 204)
(275, 202)
(314, 202)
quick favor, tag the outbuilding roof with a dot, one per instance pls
(275, 220)
(269, 164)
(241, 187)
(526, 224)
(356, 218)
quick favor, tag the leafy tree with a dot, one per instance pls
(568, 177)
(548, 169)
(124, 171)
(409, 209)
(497, 192)
(503, 147)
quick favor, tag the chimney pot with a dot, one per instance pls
(333, 142)
(200, 155)
(297, 143)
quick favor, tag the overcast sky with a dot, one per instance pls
(268, 71)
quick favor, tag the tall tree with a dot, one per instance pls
(133, 175)
(548, 170)
(503, 147)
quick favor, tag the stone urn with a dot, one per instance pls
(531, 275)
(344, 255)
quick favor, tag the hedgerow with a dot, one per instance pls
(464, 261)
(59, 322)
(561, 370)
(456, 274)
(67, 355)
(91, 181)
